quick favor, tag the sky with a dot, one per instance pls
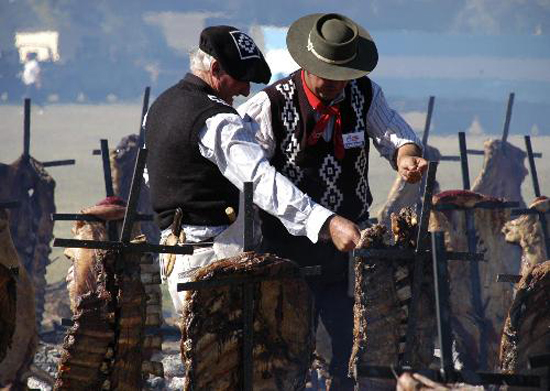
(447, 64)
(470, 54)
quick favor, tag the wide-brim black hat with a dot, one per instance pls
(332, 46)
(237, 53)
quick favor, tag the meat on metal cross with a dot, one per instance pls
(419, 254)
(447, 373)
(518, 212)
(247, 284)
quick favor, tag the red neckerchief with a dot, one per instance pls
(327, 112)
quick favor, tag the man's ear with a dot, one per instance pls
(215, 68)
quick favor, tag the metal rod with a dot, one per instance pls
(9, 204)
(479, 205)
(528, 211)
(539, 361)
(485, 378)
(474, 151)
(56, 163)
(508, 117)
(422, 240)
(107, 176)
(464, 161)
(442, 304)
(392, 254)
(427, 125)
(307, 271)
(248, 291)
(81, 217)
(248, 336)
(131, 247)
(144, 109)
(532, 166)
(27, 128)
(422, 244)
(67, 322)
(133, 198)
(248, 239)
(449, 159)
(508, 278)
(475, 298)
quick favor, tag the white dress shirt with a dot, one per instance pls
(241, 147)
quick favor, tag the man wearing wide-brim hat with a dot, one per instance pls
(201, 152)
(315, 126)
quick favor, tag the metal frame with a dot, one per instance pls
(27, 139)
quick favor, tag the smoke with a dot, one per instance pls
(475, 128)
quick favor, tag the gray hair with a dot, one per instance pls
(199, 61)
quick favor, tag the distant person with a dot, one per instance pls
(315, 126)
(200, 152)
(31, 75)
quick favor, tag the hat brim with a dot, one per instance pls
(363, 63)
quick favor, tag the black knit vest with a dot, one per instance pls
(179, 175)
(338, 185)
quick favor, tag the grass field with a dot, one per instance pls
(73, 131)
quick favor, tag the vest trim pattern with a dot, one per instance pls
(330, 171)
(358, 105)
(290, 145)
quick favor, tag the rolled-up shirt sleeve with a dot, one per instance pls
(387, 128)
(230, 143)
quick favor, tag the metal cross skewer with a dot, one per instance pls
(419, 254)
(447, 373)
(107, 176)
(422, 245)
(518, 212)
(111, 228)
(247, 284)
(144, 109)
(506, 129)
(504, 138)
(130, 217)
(123, 245)
(532, 166)
(27, 139)
(475, 282)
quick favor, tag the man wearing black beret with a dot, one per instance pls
(200, 153)
(315, 127)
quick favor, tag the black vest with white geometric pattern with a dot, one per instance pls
(339, 185)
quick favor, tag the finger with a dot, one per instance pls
(422, 165)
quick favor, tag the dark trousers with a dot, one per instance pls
(332, 304)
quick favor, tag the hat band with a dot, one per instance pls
(324, 59)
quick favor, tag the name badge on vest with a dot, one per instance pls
(353, 140)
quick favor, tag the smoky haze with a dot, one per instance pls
(110, 50)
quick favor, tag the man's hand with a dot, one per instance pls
(410, 165)
(344, 233)
(411, 168)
